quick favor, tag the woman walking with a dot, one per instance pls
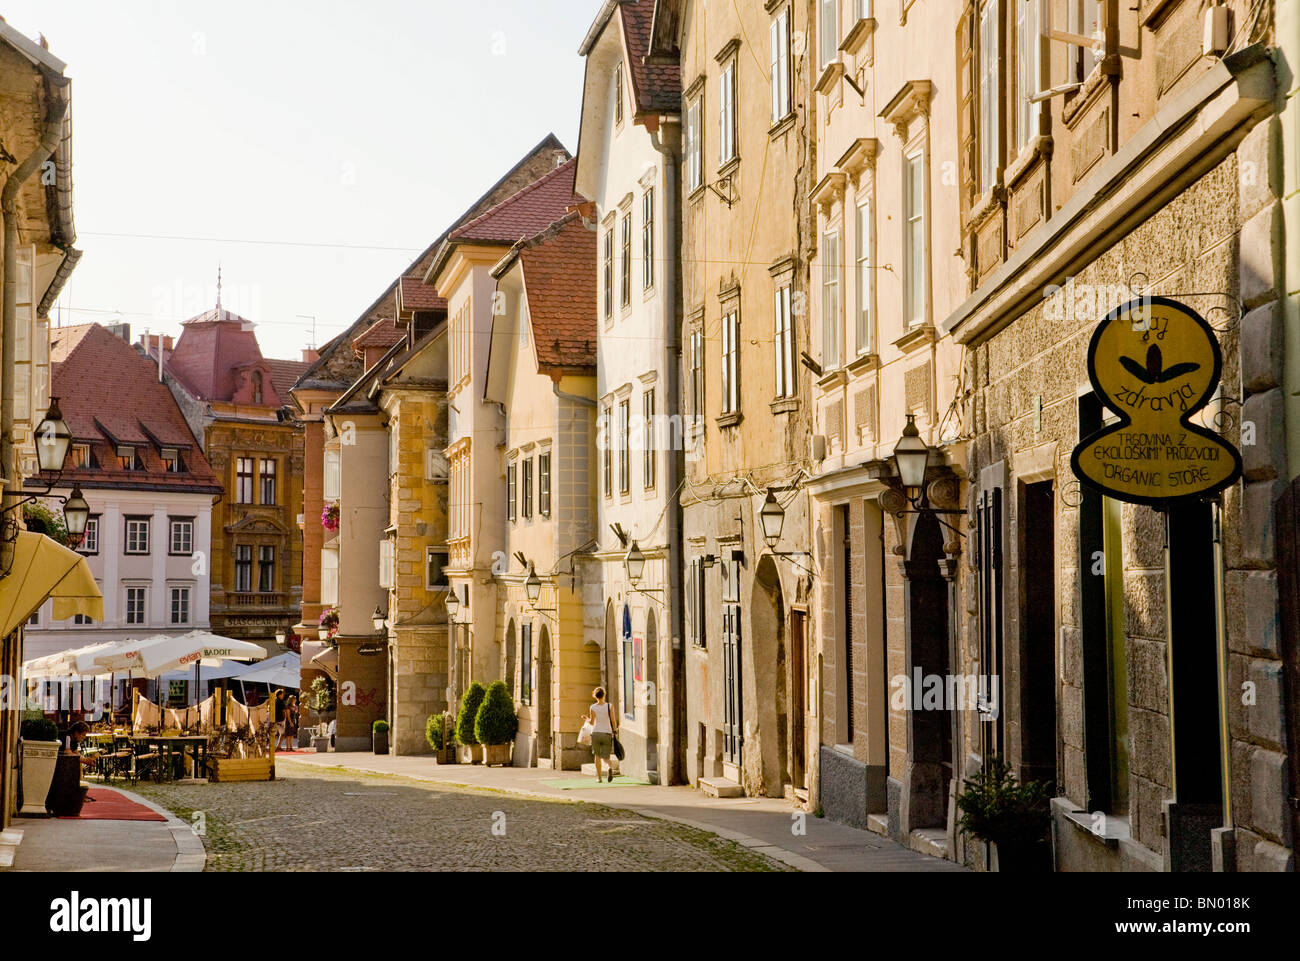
(601, 717)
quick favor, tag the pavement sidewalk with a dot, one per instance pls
(767, 825)
(58, 845)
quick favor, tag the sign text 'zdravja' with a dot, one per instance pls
(1155, 362)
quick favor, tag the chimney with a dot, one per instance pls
(310, 355)
(121, 330)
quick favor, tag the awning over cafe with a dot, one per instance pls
(43, 569)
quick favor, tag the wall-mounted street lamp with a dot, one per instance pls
(378, 620)
(771, 518)
(281, 637)
(532, 585)
(911, 460)
(453, 603)
(53, 438)
(634, 566)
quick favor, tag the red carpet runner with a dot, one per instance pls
(105, 804)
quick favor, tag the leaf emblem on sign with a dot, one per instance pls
(1154, 372)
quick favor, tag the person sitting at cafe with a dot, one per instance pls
(72, 743)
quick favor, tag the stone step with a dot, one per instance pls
(931, 841)
(878, 824)
(721, 787)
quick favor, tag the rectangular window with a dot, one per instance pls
(618, 93)
(180, 605)
(988, 96)
(171, 458)
(731, 362)
(244, 480)
(512, 492)
(386, 564)
(607, 467)
(544, 485)
(914, 246)
(648, 239)
(1028, 60)
(80, 456)
(244, 568)
(608, 278)
(329, 577)
(266, 570)
(90, 540)
(832, 301)
(81, 620)
(137, 535)
(526, 664)
(865, 279)
(784, 333)
(828, 29)
(126, 458)
(625, 275)
(624, 472)
(779, 65)
(694, 147)
(268, 481)
(331, 481)
(136, 602)
(1084, 19)
(648, 438)
(699, 611)
(526, 488)
(435, 568)
(862, 9)
(727, 114)
(697, 373)
(181, 539)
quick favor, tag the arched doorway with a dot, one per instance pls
(545, 696)
(651, 692)
(508, 658)
(627, 693)
(771, 688)
(929, 718)
(609, 665)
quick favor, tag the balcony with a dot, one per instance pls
(257, 600)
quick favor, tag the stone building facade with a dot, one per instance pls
(1135, 650)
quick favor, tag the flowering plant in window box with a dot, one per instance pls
(330, 620)
(329, 517)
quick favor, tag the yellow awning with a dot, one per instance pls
(43, 569)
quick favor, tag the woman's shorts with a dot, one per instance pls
(602, 745)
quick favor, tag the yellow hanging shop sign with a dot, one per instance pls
(1155, 362)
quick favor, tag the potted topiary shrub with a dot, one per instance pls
(496, 724)
(1012, 817)
(438, 732)
(471, 752)
(40, 738)
(379, 736)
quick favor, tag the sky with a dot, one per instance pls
(311, 150)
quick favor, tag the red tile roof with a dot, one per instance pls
(217, 358)
(285, 373)
(413, 294)
(110, 394)
(526, 213)
(64, 340)
(657, 87)
(383, 334)
(559, 267)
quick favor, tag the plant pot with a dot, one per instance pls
(445, 755)
(40, 758)
(496, 754)
(1022, 857)
(321, 744)
(470, 753)
(379, 741)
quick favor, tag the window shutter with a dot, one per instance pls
(967, 104)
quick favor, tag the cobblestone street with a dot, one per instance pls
(325, 820)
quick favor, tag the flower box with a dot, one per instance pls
(222, 769)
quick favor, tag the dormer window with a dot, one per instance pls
(257, 387)
(80, 456)
(126, 457)
(171, 458)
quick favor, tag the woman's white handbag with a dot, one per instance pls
(584, 733)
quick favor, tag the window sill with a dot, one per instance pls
(729, 168)
(836, 378)
(695, 195)
(781, 126)
(916, 336)
(858, 35)
(1038, 146)
(785, 405)
(864, 362)
(730, 420)
(1115, 828)
(830, 76)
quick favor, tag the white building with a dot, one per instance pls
(629, 128)
(150, 491)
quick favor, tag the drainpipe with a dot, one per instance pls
(668, 147)
(51, 137)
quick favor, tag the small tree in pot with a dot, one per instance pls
(496, 724)
(471, 750)
(379, 736)
(441, 737)
(1015, 817)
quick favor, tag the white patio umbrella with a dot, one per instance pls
(158, 655)
(282, 671)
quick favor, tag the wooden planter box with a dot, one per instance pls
(241, 769)
(446, 756)
(496, 754)
(470, 753)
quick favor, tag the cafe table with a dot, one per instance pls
(170, 745)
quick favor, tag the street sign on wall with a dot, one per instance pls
(1155, 362)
